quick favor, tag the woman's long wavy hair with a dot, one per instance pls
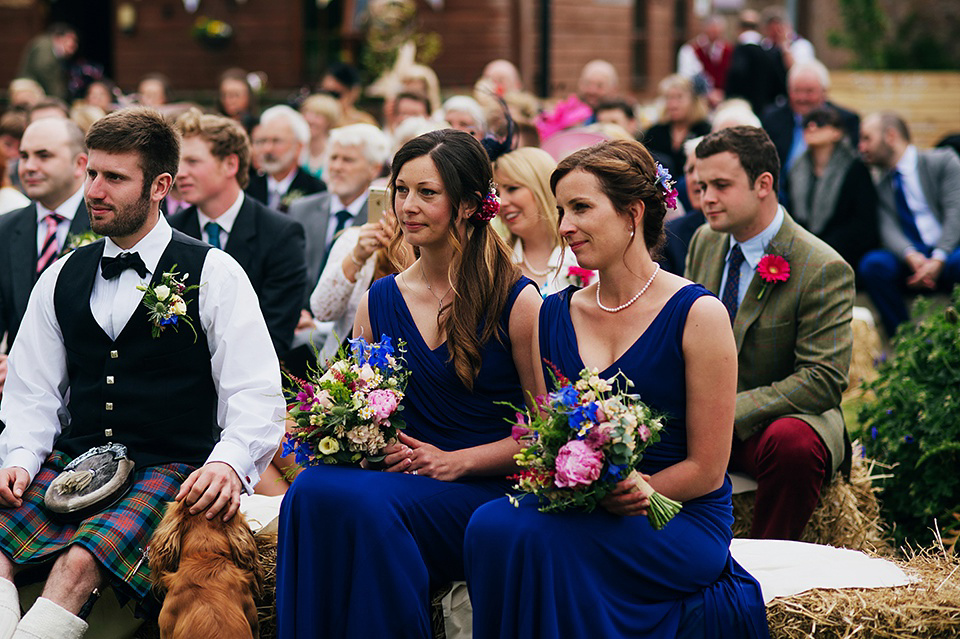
(481, 272)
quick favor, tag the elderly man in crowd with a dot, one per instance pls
(919, 212)
(278, 147)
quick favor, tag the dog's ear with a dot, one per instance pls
(164, 549)
(243, 549)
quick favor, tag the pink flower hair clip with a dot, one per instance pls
(668, 184)
(489, 206)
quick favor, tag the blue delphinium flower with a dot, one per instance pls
(566, 396)
(615, 472)
(908, 439)
(581, 414)
(358, 347)
(380, 352)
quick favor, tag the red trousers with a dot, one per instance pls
(790, 462)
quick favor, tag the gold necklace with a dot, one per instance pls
(430, 288)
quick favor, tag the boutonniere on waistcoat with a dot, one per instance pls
(76, 240)
(772, 268)
(290, 198)
(165, 302)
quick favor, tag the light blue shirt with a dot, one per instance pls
(927, 223)
(753, 249)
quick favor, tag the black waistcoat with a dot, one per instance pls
(154, 395)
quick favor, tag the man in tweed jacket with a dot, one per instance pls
(793, 336)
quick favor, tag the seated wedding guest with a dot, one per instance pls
(618, 112)
(343, 80)
(405, 106)
(11, 198)
(679, 231)
(53, 162)
(684, 116)
(278, 143)
(153, 90)
(214, 166)
(84, 115)
(733, 112)
(236, 98)
(88, 338)
(100, 94)
(528, 211)
(322, 113)
(48, 108)
(790, 300)
(919, 211)
(356, 154)
(463, 113)
(831, 192)
(24, 93)
(422, 80)
(467, 317)
(608, 573)
(503, 76)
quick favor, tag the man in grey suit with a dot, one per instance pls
(355, 157)
(52, 168)
(919, 213)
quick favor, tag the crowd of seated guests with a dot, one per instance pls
(286, 191)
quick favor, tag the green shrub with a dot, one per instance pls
(914, 424)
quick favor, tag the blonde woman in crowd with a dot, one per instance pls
(322, 113)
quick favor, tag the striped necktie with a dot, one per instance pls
(51, 247)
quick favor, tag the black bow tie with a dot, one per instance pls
(111, 267)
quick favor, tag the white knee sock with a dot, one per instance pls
(47, 620)
(9, 608)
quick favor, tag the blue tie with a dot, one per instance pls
(907, 222)
(731, 291)
(213, 232)
(798, 146)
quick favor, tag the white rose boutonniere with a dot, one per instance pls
(165, 302)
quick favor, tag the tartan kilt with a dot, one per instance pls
(117, 537)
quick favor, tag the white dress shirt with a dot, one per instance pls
(336, 205)
(923, 216)
(226, 221)
(67, 211)
(277, 190)
(753, 249)
(244, 365)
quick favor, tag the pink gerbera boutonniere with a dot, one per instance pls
(772, 269)
(579, 276)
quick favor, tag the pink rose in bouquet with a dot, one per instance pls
(578, 463)
(383, 402)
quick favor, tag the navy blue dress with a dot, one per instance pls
(596, 574)
(360, 550)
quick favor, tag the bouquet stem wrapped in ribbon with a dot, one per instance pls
(349, 412)
(582, 440)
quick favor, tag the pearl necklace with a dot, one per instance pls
(633, 299)
(535, 271)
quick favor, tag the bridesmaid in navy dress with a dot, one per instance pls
(360, 550)
(609, 573)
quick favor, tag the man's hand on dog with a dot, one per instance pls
(213, 487)
(13, 483)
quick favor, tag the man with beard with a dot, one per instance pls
(278, 144)
(214, 163)
(919, 213)
(53, 160)
(195, 404)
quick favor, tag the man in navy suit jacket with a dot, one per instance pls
(214, 163)
(278, 142)
(52, 168)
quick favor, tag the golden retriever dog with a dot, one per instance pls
(210, 571)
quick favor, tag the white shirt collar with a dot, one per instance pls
(67, 210)
(227, 219)
(908, 161)
(336, 204)
(755, 248)
(150, 247)
(283, 185)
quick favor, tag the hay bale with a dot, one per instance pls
(867, 348)
(848, 515)
(928, 608)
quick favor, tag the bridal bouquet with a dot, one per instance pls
(349, 412)
(582, 440)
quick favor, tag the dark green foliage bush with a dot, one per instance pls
(914, 424)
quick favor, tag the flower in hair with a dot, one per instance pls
(489, 206)
(667, 183)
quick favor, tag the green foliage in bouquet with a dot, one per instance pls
(914, 424)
